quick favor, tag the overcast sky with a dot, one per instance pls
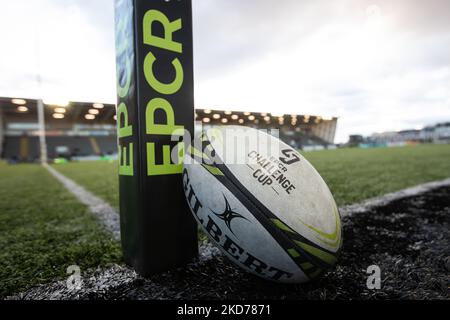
(377, 65)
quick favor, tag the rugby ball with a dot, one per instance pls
(262, 204)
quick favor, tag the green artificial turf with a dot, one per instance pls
(44, 229)
(99, 177)
(352, 174)
(357, 174)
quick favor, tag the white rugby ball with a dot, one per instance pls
(262, 204)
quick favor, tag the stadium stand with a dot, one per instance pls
(300, 131)
(73, 146)
(107, 145)
(85, 130)
(75, 129)
(439, 133)
(23, 149)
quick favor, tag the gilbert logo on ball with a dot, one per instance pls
(262, 204)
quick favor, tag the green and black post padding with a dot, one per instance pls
(155, 99)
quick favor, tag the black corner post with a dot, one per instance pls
(155, 104)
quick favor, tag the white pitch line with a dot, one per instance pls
(107, 215)
(117, 275)
(102, 280)
(377, 202)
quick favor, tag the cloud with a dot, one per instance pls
(378, 64)
(375, 64)
(62, 42)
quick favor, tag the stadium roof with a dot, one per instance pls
(76, 112)
(88, 112)
(256, 118)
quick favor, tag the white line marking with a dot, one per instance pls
(377, 202)
(107, 215)
(98, 281)
(113, 277)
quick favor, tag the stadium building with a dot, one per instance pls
(299, 131)
(73, 130)
(80, 130)
(439, 133)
